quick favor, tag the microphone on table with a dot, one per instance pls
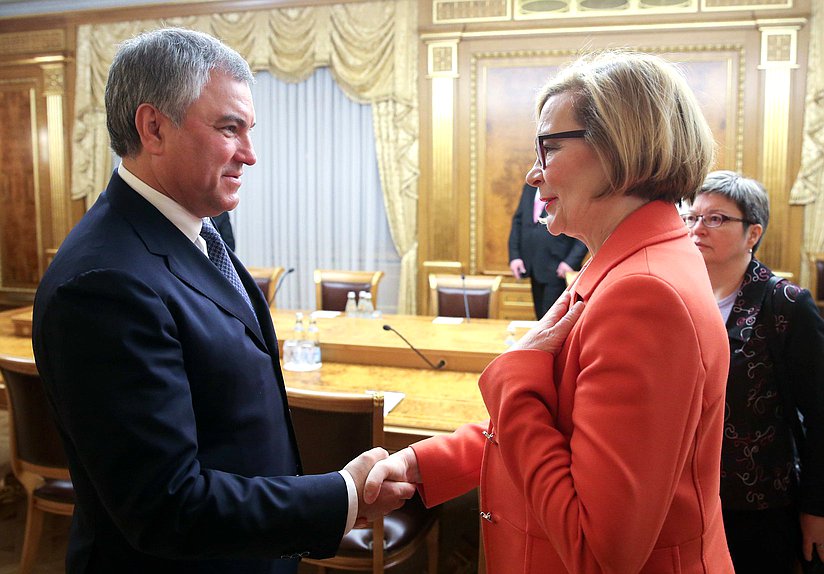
(440, 364)
(466, 300)
(282, 277)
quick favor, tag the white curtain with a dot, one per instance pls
(314, 200)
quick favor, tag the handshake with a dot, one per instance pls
(383, 482)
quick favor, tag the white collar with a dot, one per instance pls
(183, 219)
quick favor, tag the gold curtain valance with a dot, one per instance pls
(371, 49)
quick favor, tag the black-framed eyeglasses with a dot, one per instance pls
(711, 220)
(540, 150)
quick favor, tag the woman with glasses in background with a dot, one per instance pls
(603, 449)
(773, 507)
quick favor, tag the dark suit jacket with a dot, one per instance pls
(170, 400)
(540, 250)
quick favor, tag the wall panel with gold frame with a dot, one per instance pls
(499, 72)
(503, 127)
(33, 166)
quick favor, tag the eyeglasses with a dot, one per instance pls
(709, 219)
(540, 150)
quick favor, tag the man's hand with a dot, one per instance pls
(391, 497)
(563, 269)
(518, 268)
(399, 468)
(553, 328)
(812, 532)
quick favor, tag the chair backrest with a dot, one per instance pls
(446, 295)
(267, 279)
(333, 428)
(817, 277)
(331, 287)
(438, 267)
(36, 446)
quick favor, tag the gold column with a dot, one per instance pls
(54, 92)
(442, 71)
(778, 60)
(437, 206)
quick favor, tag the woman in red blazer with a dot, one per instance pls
(603, 446)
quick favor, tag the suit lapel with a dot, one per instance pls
(183, 258)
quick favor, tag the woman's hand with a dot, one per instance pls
(812, 532)
(553, 328)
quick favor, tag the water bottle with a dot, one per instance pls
(351, 309)
(368, 308)
(361, 304)
(313, 335)
(292, 346)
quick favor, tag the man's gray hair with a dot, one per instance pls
(168, 69)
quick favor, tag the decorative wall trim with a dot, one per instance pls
(37, 41)
(442, 59)
(449, 11)
(616, 29)
(779, 46)
(555, 9)
(718, 5)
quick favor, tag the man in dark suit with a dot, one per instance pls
(539, 255)
(161, 364)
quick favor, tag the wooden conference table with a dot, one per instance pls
(359, 355)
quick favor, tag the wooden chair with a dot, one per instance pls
(331, 287)
(446, 295)
(267, 279)
(816, 261)
(331, 430)
(439, 267)
(38, 460)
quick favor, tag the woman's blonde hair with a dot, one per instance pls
(643, 121)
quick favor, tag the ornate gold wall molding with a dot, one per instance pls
(710, 5)
(480, 11)
(449, 11)
(442, 59)
(554, 9)
(34, 42)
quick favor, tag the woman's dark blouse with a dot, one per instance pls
(757, 463)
